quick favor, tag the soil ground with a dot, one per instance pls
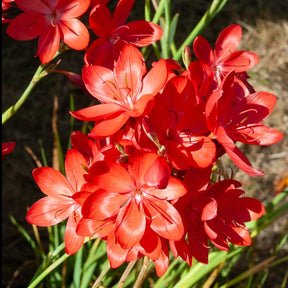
(265, 32)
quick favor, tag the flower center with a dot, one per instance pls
(53, 17)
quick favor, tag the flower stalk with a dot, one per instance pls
(214, 9)
(39, 74)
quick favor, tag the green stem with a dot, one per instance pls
(215, 8)
(166, 26)
(39, 74)
(48, 270)
(159, 11)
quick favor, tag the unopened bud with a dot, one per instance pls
(187, 56)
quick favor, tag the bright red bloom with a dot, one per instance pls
(224, 58)
(150, 245)
(194, 242)
(114, 33)
(89, 148)
(180, 125)
(64, 198)
(226, 212)
(51, 21)
(240, 122)
(7, 147)
(126, 91)
(216, 213)
(137, 199)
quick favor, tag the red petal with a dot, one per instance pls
(101, 204)
(247, 209)
(209, 210)
(224, 188)
(7, 147)
(181, 248)
(95, 228)
(101, 84)
(25, 27)
(122, 12)
(128, 72)
(219, 105)
(158, 174)
(116, 180)
(257, 107)
(102, 52)
(162, 263)
(110, 126)
(139, 165)
(52, 182)
(203, 152)
(73, 242)
(166, 221)
(227, 42)
(100, 20)
(240, 61)
(150, 244)
(239, 236)
(130, 225)
(198, 243)
(155, 79)
(72, 8)
(139, 33)
(198, 152)
(49, 211)
(197, 179)
(80, 197)
(87, 147)
(203, 50)
(97, 112)
(175, 189)
(235, 154)
(34, 7)
(213, 229)
(115, 253)
(48, 44)
(143, 106)
(257, 135)
(74, 168)
(74, 33)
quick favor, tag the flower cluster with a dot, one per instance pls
(141, 179)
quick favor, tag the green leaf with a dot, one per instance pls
(173, 27)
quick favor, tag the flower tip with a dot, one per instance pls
(187, 56)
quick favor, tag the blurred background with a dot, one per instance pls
(265, 32)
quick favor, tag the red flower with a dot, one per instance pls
(126, 91)
(137, 199)
(194, 242)
(226, 212)
(224, 58)
(7, 147)
(240, 122)
(114, 33)
(89, 148)
(51, 21)
(64, 198)
(180, 125)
